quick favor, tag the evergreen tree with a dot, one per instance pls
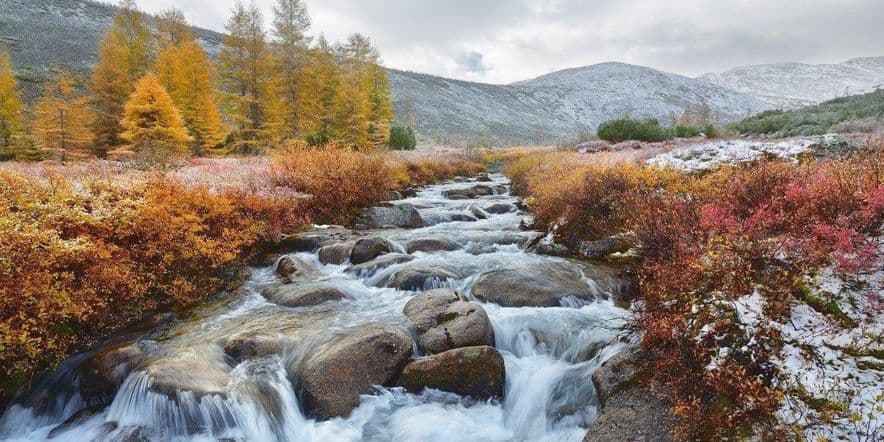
(10, 103)
(290, 48)
(247, 78)
(184, 69)
(62, 116)
(152, 125)
(123, 56)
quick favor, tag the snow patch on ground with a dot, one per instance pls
(712, 154)
(831, 370)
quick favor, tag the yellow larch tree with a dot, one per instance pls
(10, 102)
(185, 70)
(124, 55)
(62, 116)
(321, 80)
(152, 125)
(290, 54)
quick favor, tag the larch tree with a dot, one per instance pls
(10, 102)
(361, 64)
(245, 68)
(152, 124)
(185, 70)
(62, 116)
(172, 28)
(124, 55)
(290, 50)
(380, 104)
(322, 78)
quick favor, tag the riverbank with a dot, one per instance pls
(88, 248)
(760, 284)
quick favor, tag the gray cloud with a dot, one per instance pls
(501, 41)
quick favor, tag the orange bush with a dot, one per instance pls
(79, 261)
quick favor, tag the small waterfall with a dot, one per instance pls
(549, 353)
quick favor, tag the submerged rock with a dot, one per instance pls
(478, 212)
(477, 372)
(545, 285)
(433, 244)
(104, 372)
(445, 320)
(243, 347)
(399, 215)
(378, 263)
(366, 249)
(335, 374)
(421, 277)
(201, 373)
(304, 295)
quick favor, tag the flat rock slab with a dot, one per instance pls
(543, 285)
(200, 372)
(445, 320)
(477, 372)
(336, 373)
(304, 295)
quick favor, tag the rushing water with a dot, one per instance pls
(549, 353)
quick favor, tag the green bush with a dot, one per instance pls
(402, 138)
(623, 129)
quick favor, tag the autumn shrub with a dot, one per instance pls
(340, 181)
(707, 241)
(78, 261)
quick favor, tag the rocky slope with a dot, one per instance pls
(789, 85)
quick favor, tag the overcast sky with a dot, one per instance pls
(501, 41)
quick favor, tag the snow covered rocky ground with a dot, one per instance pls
(711, 154)
(831, 364)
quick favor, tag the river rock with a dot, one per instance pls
(631, 409)
(381, 262)
(303, 295)
(102, 374)
(335, 253)
(420, 278)
(335, 374)
(500, 208)
(411, 192)
(469, 193)
(293, 268)
(399, 215)
(478, 212)
(305, 242)
(200, 372)
(366, 249)
(541, 286)
(432, 244)
(483, 177)
(242, 347)
(477, 372)
(462, 217)
(445, 320)
(394, 195)
(604, 247)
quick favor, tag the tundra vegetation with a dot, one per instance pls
(707, 240)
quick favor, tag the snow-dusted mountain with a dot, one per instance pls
(792, 85)
(43, 35)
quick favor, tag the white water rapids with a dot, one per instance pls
(549, 353)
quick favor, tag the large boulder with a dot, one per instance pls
(335, 253)
(399, 215)
(295, 269)
(445, 320)
(631, 409)
(418, 278)
(477, 372)
(367, 249)
(304, 295)
(201, 373)
(333, 375)
(381, 262)
(544, 285)
(432, 244)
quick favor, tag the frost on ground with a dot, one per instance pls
(831, 364)
(709, 155)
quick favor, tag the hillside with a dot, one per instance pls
(790, 85)
(857, 113)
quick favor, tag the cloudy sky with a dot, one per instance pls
(501, 41)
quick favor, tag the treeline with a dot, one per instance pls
(155, 92)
